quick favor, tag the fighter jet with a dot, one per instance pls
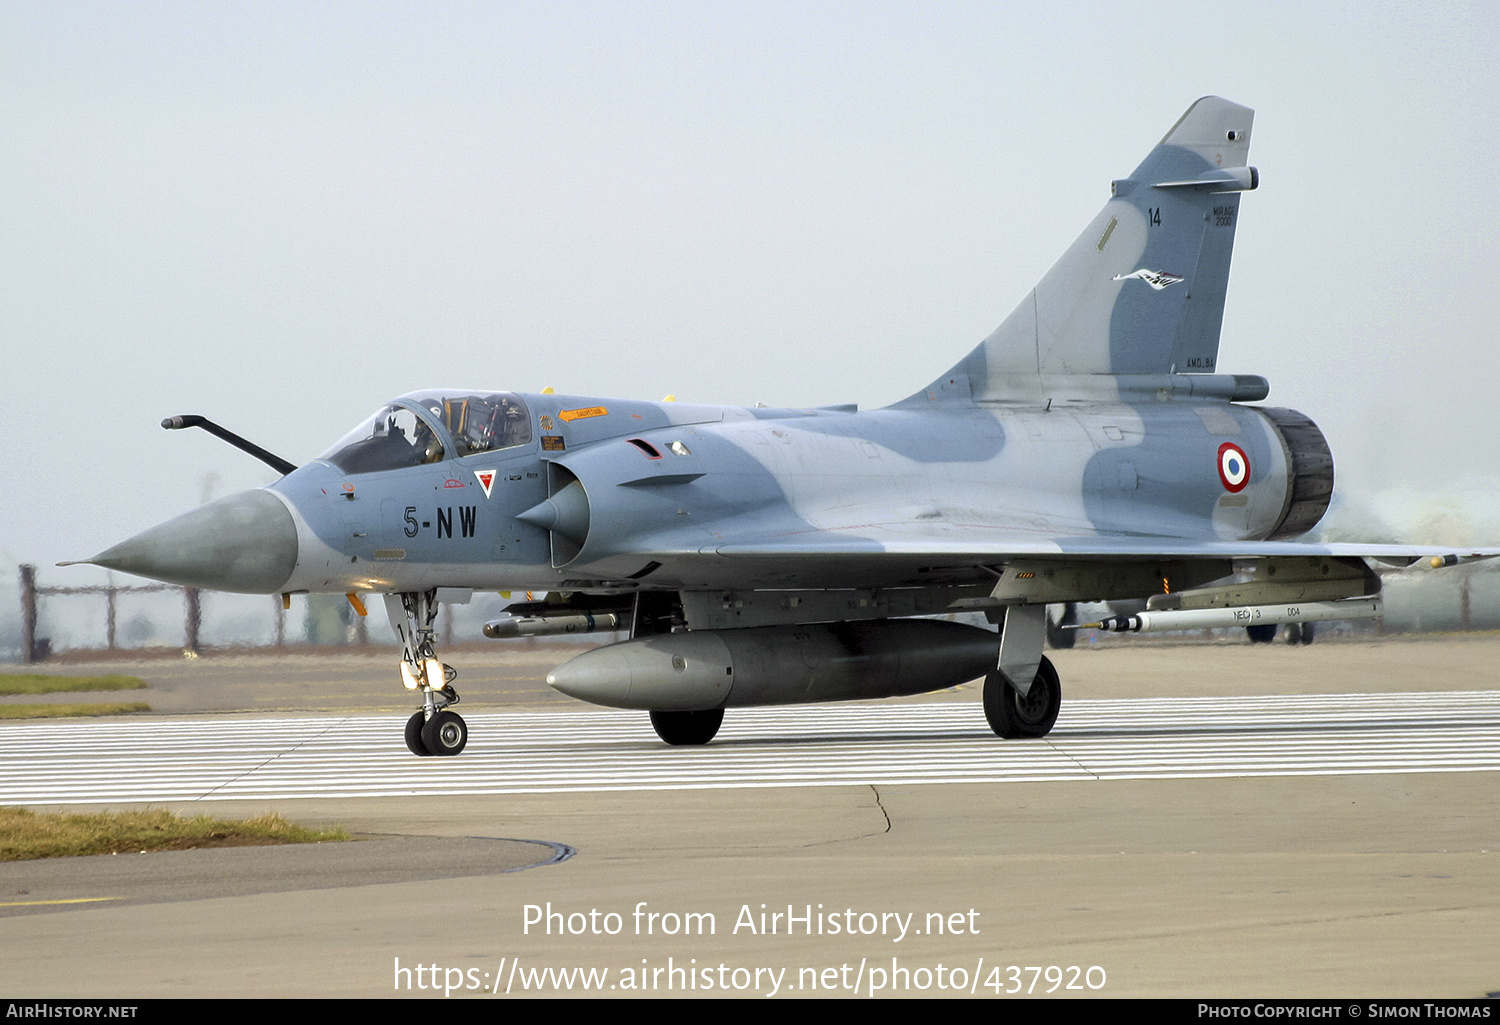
(1088, 450)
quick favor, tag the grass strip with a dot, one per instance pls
(38, 683)
(70, 710)
(25, 835)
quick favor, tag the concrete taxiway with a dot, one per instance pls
(1370, 885)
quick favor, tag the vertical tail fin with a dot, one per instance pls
(1141, 291)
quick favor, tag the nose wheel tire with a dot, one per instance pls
(445, 733)
(1011, 715)
(414, 735)
(687, 728)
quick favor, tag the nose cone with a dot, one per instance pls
(245, 542)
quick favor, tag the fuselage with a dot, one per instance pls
(665, 487)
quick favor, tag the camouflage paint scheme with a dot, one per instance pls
(1086, 450)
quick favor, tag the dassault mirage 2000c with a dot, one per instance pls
(1087, 450)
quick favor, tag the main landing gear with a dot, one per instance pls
(1013, 715)
(682, 729)
(433, 730)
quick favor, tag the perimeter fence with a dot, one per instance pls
(117, 619)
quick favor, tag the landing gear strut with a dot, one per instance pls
(434, 730)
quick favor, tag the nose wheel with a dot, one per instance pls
(445, 733)
(414, 735)
(434, 730)
(442, 733)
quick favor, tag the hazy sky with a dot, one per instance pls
(282, 215)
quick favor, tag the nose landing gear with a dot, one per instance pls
(433, 730)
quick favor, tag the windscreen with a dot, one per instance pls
(392, 438)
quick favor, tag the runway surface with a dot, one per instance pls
(594, 751)
(1227, 822)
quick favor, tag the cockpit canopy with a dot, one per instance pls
(428, 427)
(479, 423)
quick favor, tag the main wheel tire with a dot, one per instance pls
(1262, 634)
(1057, 633)
(445, 733)
(687, 728)
(1012, 716)
(414, 736)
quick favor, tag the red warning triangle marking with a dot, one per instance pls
(486, 480)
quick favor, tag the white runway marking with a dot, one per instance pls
(810, 745)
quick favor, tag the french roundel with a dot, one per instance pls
(1234, 467)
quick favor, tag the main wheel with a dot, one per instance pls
(445, 733)
(1011, 715)
(414, 735)
(1057, 633)
(1263, 633)
(685, 728)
